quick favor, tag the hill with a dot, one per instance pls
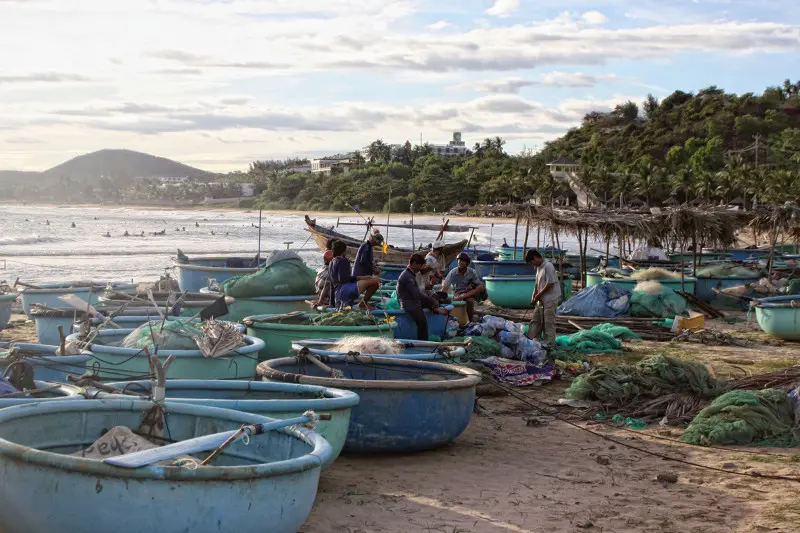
(119, 165)
(14, 175)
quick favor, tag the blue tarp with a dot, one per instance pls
(604, 300)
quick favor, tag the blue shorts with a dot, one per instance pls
(347, 293)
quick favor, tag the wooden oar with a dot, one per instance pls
(277, 317)
(205, 443)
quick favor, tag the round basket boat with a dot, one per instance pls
(51, 392)
(263, 305)
(515, 292)
(6, 302)
(48, 293)
(197, 273)
(412, 350)
(113, 363)
(275, 400)
(47, 366)
(278, 336)
(405, 406)
(268, 484)
(780, 316)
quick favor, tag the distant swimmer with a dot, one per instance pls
(47, 223)
(196, 224)
(26, 220)
(108, 234)
(73, 225)
(142, 235)
(126, 234)
(212, 232)
(184, 228)
(226, 233)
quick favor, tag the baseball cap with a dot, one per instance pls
(438, 245)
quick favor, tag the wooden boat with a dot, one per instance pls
(393, 254)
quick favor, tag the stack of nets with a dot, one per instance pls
(746, 417)
(724, 270)
(652, 299)
(650, 378)
(174, 335)
(654, 274)
(346, 318)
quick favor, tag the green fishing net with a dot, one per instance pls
(618, 332)
(346, 318)
(726, 270)
(667, 304)
(175, 335)
(602, 338)
(650, 378)
(746, 417)
(482, 348)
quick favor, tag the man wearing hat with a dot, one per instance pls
(364, 264)
(466, 284)
(434, 270)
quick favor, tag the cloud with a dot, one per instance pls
(440, 25)
(194, 60)
(550, 79)
(503, 8)
(594, 18)
(43, 77)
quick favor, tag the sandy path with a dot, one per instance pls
(503, 475)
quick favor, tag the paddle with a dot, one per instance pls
(206, 443)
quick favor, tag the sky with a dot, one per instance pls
(219, 83)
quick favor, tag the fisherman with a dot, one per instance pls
(435, 260)
(364, 264)
(466, 284)
(412, 300)
(322, 284)
(346, 287)
(545, 300)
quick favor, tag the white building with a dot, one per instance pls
(454, 148)
(173, 179)
(325, 164)
(248, 189)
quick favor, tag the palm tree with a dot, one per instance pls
(357, 160)
(648, 181)
(705, 185)
(624, 184)
(683, 182)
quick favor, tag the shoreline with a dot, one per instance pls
(189, 208)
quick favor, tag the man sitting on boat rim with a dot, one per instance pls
(412, 300)
(466, 283)
(346, 287)
(365, 264)
(545, 300)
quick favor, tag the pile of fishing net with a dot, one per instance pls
(652, 299)
(351, 317)
(726, 270)
(650, 378)
(654, 274)
(602, 338)
(764, 416)
(367, 345)
(284, 274)
(480, 348)
(169, 335)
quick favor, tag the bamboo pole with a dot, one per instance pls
(525, 242)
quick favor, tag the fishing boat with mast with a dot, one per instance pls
(391, 254)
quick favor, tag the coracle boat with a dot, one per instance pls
(54, 451)
(406, 405)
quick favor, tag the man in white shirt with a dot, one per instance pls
(545, 300)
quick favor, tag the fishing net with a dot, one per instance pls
(346, 318)
(603, 338)
(367, 345)
(480, 348)
(793, 287)
(723, 270)
(650, 378)
(745, 417)
(654, 274)
(611, 272)
(651, 299)
(175, 335)
(604, 299)
(285, 274)
(618, 332)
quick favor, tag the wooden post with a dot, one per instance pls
(525, 242)
(516, 231)
(608, 247)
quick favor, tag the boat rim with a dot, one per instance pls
(254, 344)
(333, 398)
(321, 451)
(468, 377)
(250, 323)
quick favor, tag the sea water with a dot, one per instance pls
(35, 251)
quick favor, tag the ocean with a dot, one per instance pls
(36, 252)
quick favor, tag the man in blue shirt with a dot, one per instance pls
(465, 283)
(365, 264)
(345, 286)
(412, 300)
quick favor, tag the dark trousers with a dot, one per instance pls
(417, 314)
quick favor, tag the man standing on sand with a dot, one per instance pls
(412, 300)
(545, 300)
(364, 264)
(466, 284)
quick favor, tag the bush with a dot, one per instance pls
(399, 204)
